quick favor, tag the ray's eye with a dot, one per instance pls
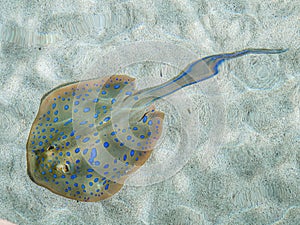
(66, 168)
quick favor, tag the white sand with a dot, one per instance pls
(239, 161)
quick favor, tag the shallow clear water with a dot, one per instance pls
(230, 147)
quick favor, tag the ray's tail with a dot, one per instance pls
(197, 71)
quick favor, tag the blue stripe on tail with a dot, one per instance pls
(210, 62)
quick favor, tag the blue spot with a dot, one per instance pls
(136, 98)
(91, 183)
(150, 122)
(83, 122)
(89, 175)
(93, 155)
(83, 187)
(131, 152)
(73, 176)
(105, 166)
(64, 137)
(96, 133)
(68, 122)
(107, 85)
(106, 186)
(40, 143)
(55, 120)
(97, 163)
(90, 170)
(76, 102)
(96, 180)
(106, 144)
(66, 107)
(106, 119)
(116, 86)
(68, 153)
(125, 157)
(135, 128)
(128, 93)
(43, 172)
(145, 119)
(67, 143)
(86, 139)
(128, 137)
(75, 110)
(75, 185)
(53, 105)
(77, 150)
(85, 151)
(77, 161)
(113, 101)
(86, 109)
(63, 176)
(142, 136)
(72, 133)
(113, 133)
(54, 175)
(96, 115)
(77, 137)
(96, 100)
(103, 92)
(60, 153)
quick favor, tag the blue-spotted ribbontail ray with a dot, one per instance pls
(89, 136)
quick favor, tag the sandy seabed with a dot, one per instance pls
(234, 160)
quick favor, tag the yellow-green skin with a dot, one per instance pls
(84, 115)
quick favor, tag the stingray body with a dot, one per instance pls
(89, 136)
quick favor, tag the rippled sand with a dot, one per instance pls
(230, 149)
